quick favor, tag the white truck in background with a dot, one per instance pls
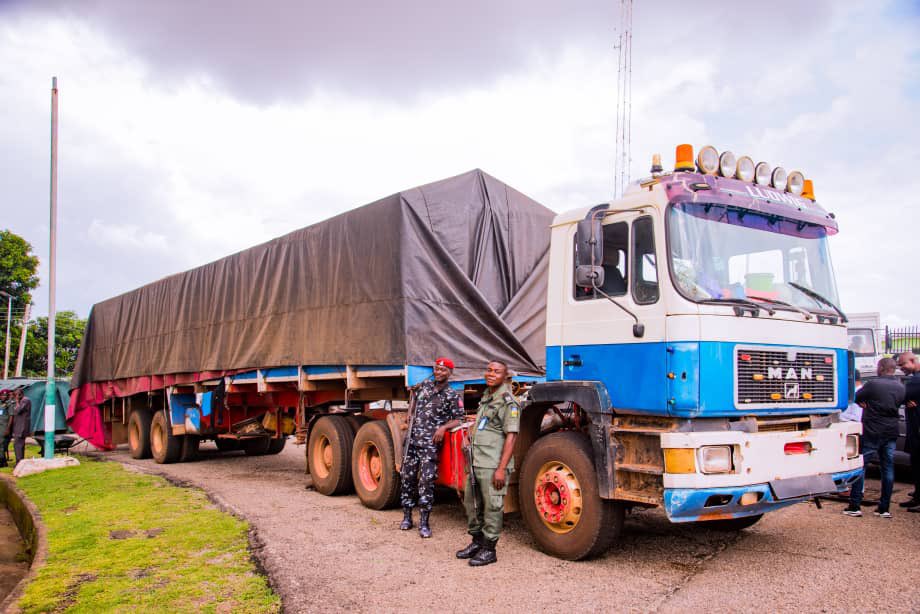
(865, 336)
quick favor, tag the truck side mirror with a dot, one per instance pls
(589, 242)
(587, 276)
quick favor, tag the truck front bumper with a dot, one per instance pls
(695, 504)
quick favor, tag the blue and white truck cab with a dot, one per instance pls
(693, 335)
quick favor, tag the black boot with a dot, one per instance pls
(471, 550)
(423, 529)
(486, 555)
(406, 523)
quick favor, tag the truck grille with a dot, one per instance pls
(772, 377)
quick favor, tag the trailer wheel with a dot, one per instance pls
(256, 447)
(164, 446)
(227, 445)
(373, 466)
(356, 422)
(276, 445)
(729, 524)
(190, 445)
(329, 455)
(139, 433)
(559, 500)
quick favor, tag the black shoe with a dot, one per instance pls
(910, 503)
(406, 523)
(486, 555)
(423, 529)
(471, 550)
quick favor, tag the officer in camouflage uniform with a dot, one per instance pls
(6, 411)
(496, 426)
(435, 409)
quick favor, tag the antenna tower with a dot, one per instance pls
(623, 158)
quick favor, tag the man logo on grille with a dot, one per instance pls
(792, 390)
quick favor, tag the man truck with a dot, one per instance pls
(679, 348)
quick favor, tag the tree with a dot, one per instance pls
(18, 268)
(68, 334)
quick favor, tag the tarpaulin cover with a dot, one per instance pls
(34, 390)
(454, 268)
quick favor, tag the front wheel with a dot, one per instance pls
(373, 466)
(559, 499)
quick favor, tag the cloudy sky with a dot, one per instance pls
(190, 131)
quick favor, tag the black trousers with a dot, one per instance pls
(4, 450)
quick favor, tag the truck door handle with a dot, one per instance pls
(574, 361)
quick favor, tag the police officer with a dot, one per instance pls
(496, 426)
(22, 424)
(435, 410)
(6, 411)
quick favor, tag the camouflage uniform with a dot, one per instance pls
(496, 417)
(434, 407)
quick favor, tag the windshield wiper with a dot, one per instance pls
(740, 304)
(808, 315)
(809, 292)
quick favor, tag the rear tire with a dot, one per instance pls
(559, 500)
(256, 447)
(276, 445)
(329, 455)
(139, 433)
(164, 446)
(729, 524)
(373, 466)
(189, 448)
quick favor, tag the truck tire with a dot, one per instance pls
(329, 455)
(373, 466)
(164, 446)
(258, 446)
(139, 433)
(227, 445)
(559, 500)
(356, 422)
(729, 524)
(190, 445)
(276, 445)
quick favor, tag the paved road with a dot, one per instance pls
(332, 553)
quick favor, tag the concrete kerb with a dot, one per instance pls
(255, 546)
(29, 522)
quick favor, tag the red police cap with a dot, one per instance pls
(445, 362)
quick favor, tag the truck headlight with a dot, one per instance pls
(716, 459)
(852, 446)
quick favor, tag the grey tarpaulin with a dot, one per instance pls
(455, 268)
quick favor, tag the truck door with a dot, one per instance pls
(598, 341)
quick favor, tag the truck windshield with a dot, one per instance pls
(862, 341)
(724, 253)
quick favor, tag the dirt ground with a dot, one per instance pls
(331, 553)
(12, 565)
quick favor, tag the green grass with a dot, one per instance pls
(121, 541)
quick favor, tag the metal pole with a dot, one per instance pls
(22, 341)
(9, 317)
(50, 396)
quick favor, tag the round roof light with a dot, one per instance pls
(795, 183)
(745, 170)
(708, 160)
(728, 164)
(762, 173)
(779, 178)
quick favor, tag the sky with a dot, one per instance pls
(189, 132)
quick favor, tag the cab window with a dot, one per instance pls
(616, 246)
(645, 267)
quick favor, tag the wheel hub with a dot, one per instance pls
(557, 495)
(370, 467)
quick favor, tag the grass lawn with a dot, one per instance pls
(122, 541)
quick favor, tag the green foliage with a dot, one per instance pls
(120, 541)
(68, 333)
(18, 268)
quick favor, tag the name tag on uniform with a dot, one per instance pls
(482, 423)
